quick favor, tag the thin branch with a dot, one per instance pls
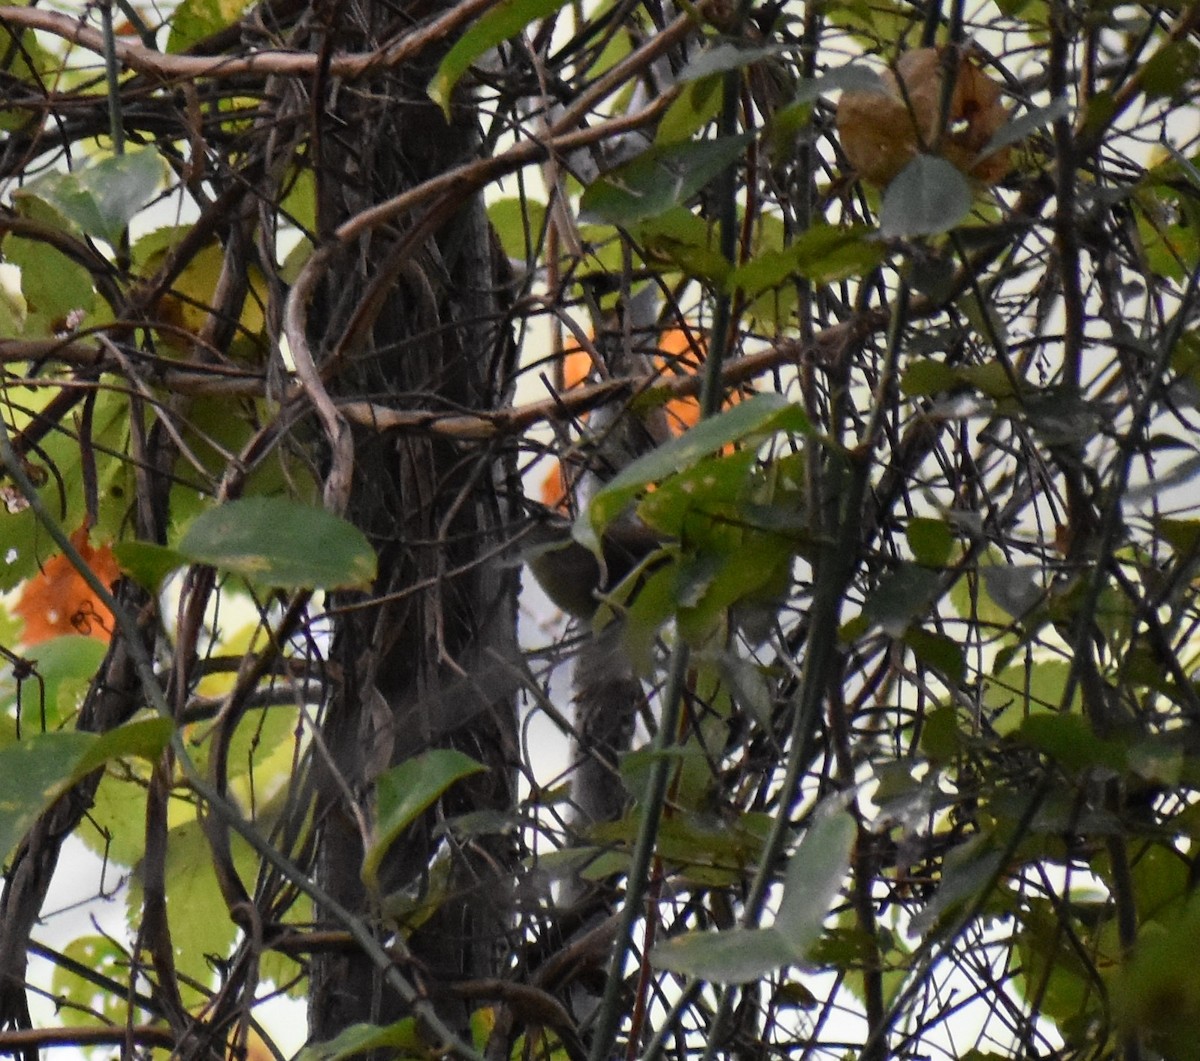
(265, 63)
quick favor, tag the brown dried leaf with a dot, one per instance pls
(882, 132)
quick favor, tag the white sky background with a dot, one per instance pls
(72, 908)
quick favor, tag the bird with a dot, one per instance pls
(573, 577)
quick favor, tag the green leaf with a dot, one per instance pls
(1015, 587)
(969, 869)
(697, 104)
(742, 955)
(684, 240)
(902, 596)
(299, 206)
(272, 541)
(729, 55)
(763, 272)
(194, 20)
(1070, 740)
(695, 501)
(880, 24)
(942, 653)
(695, 577)
(14, 309)
(823, 254)
(148, 563)
(814, 877)
(990, 377)
(1018, 692)
(652, 607)
(518, 224)
(399, 1039)
(67, 665)
(1065, 979)
(197, 914)
(931, 541)
(1156, 990)
(102, 955)
(56, 289)
(928, 197)
(1100, 110)
(1161, 878)
(854, 78)
(405, 792)
(102, 199)
(828, 253)
(144, 739)
(1013, 8)
(118, 814)
(663, 176)
(1170, 70)
(28, 64)
(940, 740)
(925, 377)
(1182, 535)
(505, 20)
(1019, 128)
(750, 687)
(761, 415)
(36, 770)
(736, 956)
(753, 567)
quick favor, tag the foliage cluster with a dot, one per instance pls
(916, 771)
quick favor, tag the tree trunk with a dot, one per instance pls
(410, 669)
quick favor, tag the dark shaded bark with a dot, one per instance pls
(415, 670)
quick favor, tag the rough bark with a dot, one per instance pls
(408, 669)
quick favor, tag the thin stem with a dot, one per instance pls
(116, 120)
(653, 799)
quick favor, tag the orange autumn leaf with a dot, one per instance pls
(58, 601)
(679, 351)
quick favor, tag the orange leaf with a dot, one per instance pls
(554, 489)
(680, 351)
(58, 601)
